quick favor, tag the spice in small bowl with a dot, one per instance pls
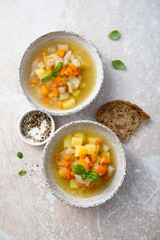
(35, 127)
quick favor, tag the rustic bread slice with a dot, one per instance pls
(122, 117)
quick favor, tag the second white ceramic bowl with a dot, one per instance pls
(120, 166)
(48, 37)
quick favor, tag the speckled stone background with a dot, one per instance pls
(28, 211)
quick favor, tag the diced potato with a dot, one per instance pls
(76, 62)
(110, 171)
(75, 82)
(63, 96)
(51, 95)
(62, 89)
(73, 184)
(91, 148)
(83, 63)
(65, 62)
(40, 73)
(68, 56)
(76, 93)
(83, 85)
(93, 140)
(69, 103)
(41, 64)
(81, 135)
(97, 149)
(68, 141)
(105, 148)
(98, 159)
(70, 86)
(76, 141)
(79, 150)
(107, 153)
(51, 49)
(49, 61)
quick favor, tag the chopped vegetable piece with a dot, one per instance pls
(61, 53)
(40, 73)
(105, 158)
(76, 93)
(73, 184)
(76, 141)
(101, 170)
(46, 100)
(110, 171)
(68, 141)
(69, 103)
(45, 91)
(90, 148)
(34, 80)
(82, 161)
(55, 92)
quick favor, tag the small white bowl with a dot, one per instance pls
(117, 180)
(27, 57)
(28, 140)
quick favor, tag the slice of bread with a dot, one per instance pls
(121, 117)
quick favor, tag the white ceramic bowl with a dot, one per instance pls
(62, 34)
(117, 179)
(28, 140)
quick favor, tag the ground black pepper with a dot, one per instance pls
(35, 119)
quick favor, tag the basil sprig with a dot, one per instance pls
(80, 170)
(22, 173)
(117, 64)
(54, 73)
(114, 35)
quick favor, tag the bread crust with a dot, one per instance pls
(104, 109)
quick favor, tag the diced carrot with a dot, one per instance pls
(83, 162)
(60, 84)
(61, 105)
(69, 72)
(84, 153)
(40, 85)
(34, 80)
(67, 174)
(71, 65)
(39, 60)
(94, 158)
(105, 176)
(45, 91)
(55, 92)
(81, 184)
(59, 79)
(77, 72)
(46, 100)
(89, 189)
(65, 163)
(105, 159)
(61, 53)
(100, 170)
(48, 58)
(61, 72)
(48, 70)
(68, 157)
(43, 54)
(98, 142)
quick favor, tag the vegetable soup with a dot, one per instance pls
(83, 164)
(62, 74)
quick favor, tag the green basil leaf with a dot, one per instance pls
(58, 67)
(87, 171)
(117, 64)
(78, 169)
(49, 77)
(22, 173)
(84, 176)
(93, 176)
(114, 35)
(20, 155)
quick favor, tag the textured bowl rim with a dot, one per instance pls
(25, 139)
(45, 177)
(83, 104)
